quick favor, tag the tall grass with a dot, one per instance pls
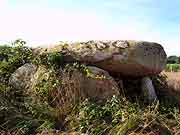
(118, 116)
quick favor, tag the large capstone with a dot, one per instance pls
(124, 57)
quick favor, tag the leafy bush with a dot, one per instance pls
(18, 111)
(51, 60)
(11, 57)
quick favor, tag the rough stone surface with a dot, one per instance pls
(74, 85)
(101, 85)
(21, 78)
(148, 89)
(41, 74)
(128, 58)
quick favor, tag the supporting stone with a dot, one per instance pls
(148, 89)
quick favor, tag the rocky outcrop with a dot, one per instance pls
(127, 58)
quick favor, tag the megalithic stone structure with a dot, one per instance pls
(124, 57)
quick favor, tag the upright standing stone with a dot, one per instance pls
(148, 89)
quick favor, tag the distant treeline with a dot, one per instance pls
(173, 59)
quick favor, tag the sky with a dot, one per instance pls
(40, 22)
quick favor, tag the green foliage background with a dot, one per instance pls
(173, 60)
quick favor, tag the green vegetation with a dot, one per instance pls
(51, 60)
(42, 108)
(13, 56)
(173, 64)
(119, 116)
(173, 60)
(18, 111)
(172, 68)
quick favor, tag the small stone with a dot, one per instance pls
(121, 44)
(101, 45)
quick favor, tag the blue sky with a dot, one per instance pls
(41, 22)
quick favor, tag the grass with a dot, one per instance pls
(118, 116)
(115, 116)
(172, 68)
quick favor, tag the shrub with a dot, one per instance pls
(11, 57)
(17, 110)
(51, 60)
(173, 60)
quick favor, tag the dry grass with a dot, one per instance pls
(61, 133)
(69, 93)
(173, 79)
(46, 133)
(173, 82)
